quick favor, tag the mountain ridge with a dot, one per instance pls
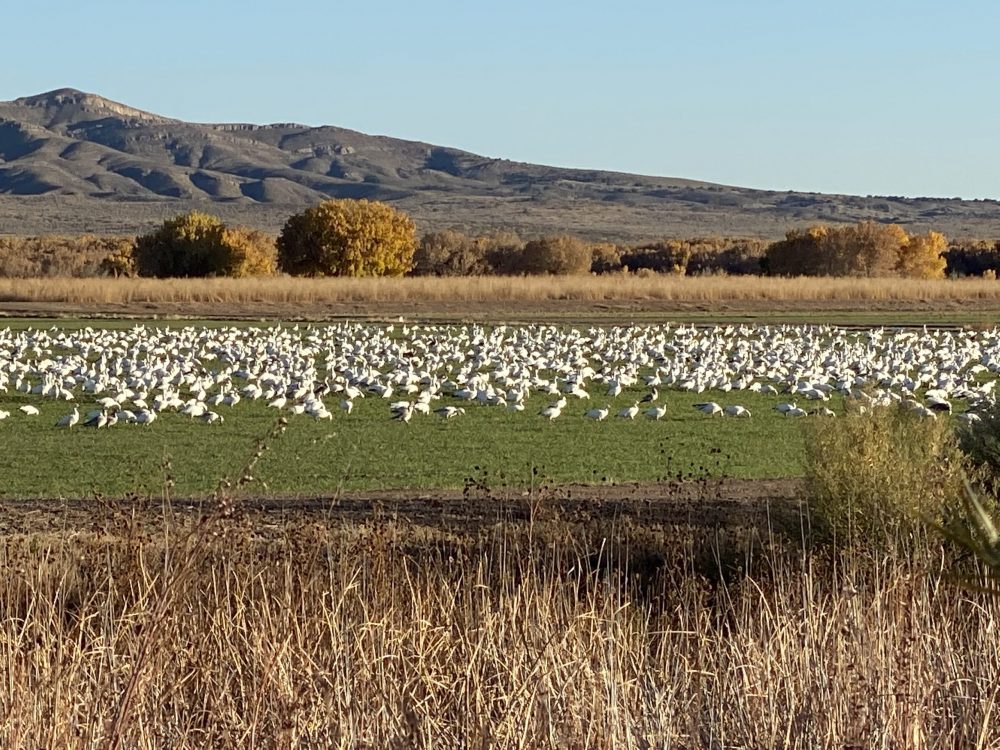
(76, 161)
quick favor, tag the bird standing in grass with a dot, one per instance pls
(552, 411)
(598, 414)
(146, 416)
(99, 420)
(737, 411)
(710, 408)
(70, 419)
(30, 410)
(404, 415)
(630, 412)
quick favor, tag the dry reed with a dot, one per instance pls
(556, 636)
(588, 289)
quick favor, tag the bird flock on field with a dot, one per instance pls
(135, 376)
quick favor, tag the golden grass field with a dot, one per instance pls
(587, 288)
(594, 298)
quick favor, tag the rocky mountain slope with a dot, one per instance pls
(72, 162)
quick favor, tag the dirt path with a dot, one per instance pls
(705, 504)
(835, 311)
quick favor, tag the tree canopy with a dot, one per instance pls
(347, 238)
(198, 244)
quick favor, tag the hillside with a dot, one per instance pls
(72, 162)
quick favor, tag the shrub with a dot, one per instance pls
(502, 251)
(559, 254)
(251, 253)
(449, 253)
(53, 255)
(668, 256)
(198, 244)
(799, 254)
(972, 258)
(981, 442)
(347, 238)
(120, 262)
(864, 249)
(923, 256)
(739, 257)
(605, 257)
(875, 478)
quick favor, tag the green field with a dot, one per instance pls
(368, 450)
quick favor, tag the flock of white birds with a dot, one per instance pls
(135, 376)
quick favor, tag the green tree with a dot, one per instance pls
(347, 238)
(198, 244)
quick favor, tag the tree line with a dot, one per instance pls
(369, 238)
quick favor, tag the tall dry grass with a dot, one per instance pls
(555, 635)
(589, 289)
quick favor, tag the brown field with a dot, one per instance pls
(623, 619)
(485, 297)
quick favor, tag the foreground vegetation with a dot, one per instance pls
(555, 634)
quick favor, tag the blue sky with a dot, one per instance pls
(878, 97)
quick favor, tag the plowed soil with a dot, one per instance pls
(721, 503)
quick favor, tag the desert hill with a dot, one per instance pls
(72, 162)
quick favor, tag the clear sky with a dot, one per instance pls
(866, 97)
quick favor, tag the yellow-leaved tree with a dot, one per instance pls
(250, 253)
(347, 238)
(923, 256)
(198, 244)
(867, 248)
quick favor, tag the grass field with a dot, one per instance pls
(367, 450)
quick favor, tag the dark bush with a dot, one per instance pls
(557, 254)
(449, 253)
(197, 244)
